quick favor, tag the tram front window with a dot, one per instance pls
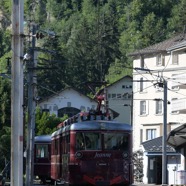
(88, 141)
(114, 141)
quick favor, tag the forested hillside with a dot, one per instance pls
(86, 40)
(92, 37)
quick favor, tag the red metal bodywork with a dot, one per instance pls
(42, 165)
(94, 167)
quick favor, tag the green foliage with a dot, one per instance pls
(138, 165)
(152, 29)
(40, 12)
(116, 71)
(94, 36)
(62, 9)
(5, 42)
(89, 42)
(5, 144)
(46, 123)
(5, 123)
(177, 20)
(5, 103)
(5, 6)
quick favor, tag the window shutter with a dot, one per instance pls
(147, 107)
(163, 60)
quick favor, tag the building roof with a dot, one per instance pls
(124, 77)
(160, 47)
(177, 46)
(101, 91)
(58, 93)
(155, 145)
(177, 137)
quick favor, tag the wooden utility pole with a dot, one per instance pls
(17, 94)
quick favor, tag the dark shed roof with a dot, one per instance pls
(155, 145)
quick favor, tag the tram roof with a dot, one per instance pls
(95, 125)
(43, 138)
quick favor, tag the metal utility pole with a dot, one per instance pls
(31, 113)
(164, 142)
(17, 94)
(131, 119)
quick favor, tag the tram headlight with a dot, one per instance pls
(79, 155)
(125, 154)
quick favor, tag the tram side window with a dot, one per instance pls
(88, 141)
(114, 141)
(52, 148)
(41, 151)
(80, 141)
(67, 147)
(55, 147)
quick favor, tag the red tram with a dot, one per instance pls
(42, 157)
(92, 149)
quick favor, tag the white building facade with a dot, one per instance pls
(119, 97)
(69, 101)
(153, 66)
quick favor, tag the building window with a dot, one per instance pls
(55, 108)
(142, 63)
(46, 110)
(68, 104)
(70, 111)
(109, 96)
(176, 81)
(113, 96)
(141, 136)
(127, 86)
(82, 108)
(172, 103)
(175, 87)
(127, 95)
(160, 60)
(119, 96)
(143, 108)
(159, 106)
(150, 134)
(141, 85)
(175, 59)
